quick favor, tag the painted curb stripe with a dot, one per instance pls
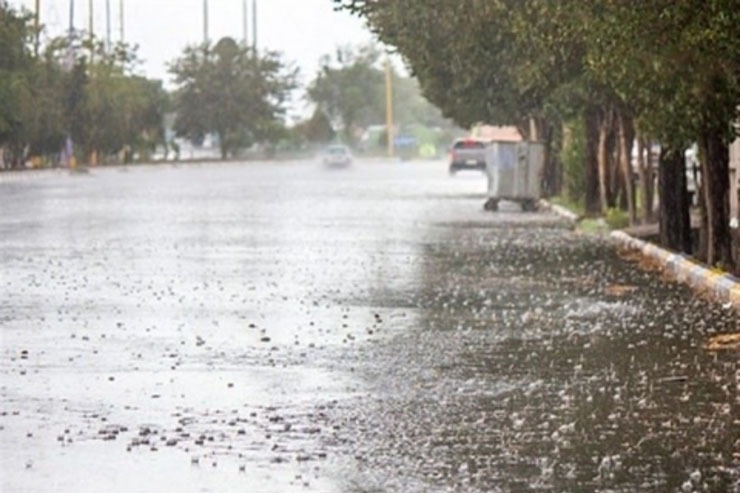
(726, 283)
(559, 210)
(697, 274)
(724, 286)
(673, 262)
(735, 295)
(711, 281)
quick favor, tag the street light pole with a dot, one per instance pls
(245, 17)
(107, 25)
(71, 18)
(69, 145)
(120, 14)
(254, 25)
(389, 106)
(71, 36)
(91, 28)
(205, 21)
(36, 29)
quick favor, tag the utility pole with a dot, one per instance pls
(120, 15)
(71, 36)
(389, 105)
(107, 25)
(91, 28)
(245, 17)
(71, 20)
(254, 25)
(91, 33)
(69, 145)
(36, 29)
(205, 21)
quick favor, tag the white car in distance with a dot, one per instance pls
(337, 156)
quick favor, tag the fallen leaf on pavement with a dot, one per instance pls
(724, 341)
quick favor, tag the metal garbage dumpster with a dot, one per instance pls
(514, 173)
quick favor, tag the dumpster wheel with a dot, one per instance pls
(491, 205)
(529, 205)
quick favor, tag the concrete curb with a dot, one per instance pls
(560, 211)
(722, 286)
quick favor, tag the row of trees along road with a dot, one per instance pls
(349, 90)
(605, 72)
(232, 91)
(76, 89)
(72, 87)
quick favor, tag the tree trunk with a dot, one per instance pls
(614, 181)
(555, 138)
(543, 131)
(591, 165)
(603, 160)
(652, 176)
(616, 177)
(645, 169)
(702, 252)
(716, 177)
(222, 146)
(675, 221)
(642, 176)
(701, 191)
(626, 137)
(534, 127)
(524, 129)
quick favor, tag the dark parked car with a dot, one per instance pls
(467, 154)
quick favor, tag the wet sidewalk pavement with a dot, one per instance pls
(286, 328)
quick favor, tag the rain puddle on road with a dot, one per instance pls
(281, 328)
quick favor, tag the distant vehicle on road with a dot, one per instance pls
(406, 146)
(467, 154)
(337, 156)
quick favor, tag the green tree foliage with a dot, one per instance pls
(16, 62)
(46, 121)
(113, 109)
(316, 130)
(675, 63)
(410, 107)
(349, 89)
(474, 58)
(231, 91)
(478, 62)
(682, 80)
(666, 69)
(74, 88)
(572, 155)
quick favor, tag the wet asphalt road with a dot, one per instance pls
(281, 327)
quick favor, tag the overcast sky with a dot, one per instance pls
(303, 30)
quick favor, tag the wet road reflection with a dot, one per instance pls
(280, 327)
